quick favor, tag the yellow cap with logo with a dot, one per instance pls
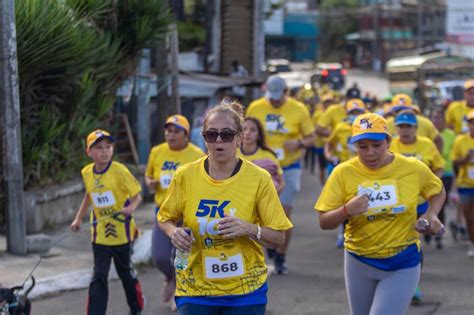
(355, 104)
(179, 121)
(470, 115)
(401, 101)
(97, 135)
(369, 126)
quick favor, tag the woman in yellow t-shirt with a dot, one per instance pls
(377, 192)
(255, 149)
(463, 158)
(229, 208)
(163, 162)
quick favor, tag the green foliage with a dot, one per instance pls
(72, 55)
(191, 35)
(340, 19)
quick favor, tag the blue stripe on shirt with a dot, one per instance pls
(408, 258)
(257, 297)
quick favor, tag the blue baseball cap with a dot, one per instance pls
(406, 118)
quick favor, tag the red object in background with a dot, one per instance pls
(344, 72)
(324, 73)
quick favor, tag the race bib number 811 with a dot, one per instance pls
(103, 200)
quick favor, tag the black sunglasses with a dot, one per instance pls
(226, 135)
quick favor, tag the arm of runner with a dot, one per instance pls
(435, 204)
(85, 204)
(322, 131)
(134, 202)
(179, 238)
(438, 141)
(151, 183)
(281, 182)
(329, 220)
(233, 227)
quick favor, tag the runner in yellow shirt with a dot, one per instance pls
(230, 208)
(377, 192)
(331, 117)
(114, 194)
(318, 149)
(425, 126)
(337, 148)
(163, 162)
(456, 113)
(288, 130)
(463, 158)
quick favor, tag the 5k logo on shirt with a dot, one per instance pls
(169, 166)
(209, 213)
(275, 123)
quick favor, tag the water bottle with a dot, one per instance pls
(182, 257)
(423, 226)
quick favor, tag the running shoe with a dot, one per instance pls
(463, 233)
(280, 265)
(271, 253)
(439, 242)
(453, 227)
(416, 299)
(470, 251)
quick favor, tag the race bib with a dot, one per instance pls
(280, 153)
(470, 172)
(103, 200)
(222, 265)
(165, 180)
(382, 194)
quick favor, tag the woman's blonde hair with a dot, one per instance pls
(234, 110)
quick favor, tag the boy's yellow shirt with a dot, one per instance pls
(109, 192)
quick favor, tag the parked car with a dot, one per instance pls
(273, 66)
(332, 74)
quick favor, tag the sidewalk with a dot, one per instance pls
(69, 265)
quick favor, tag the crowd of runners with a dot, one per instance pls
(386, 167)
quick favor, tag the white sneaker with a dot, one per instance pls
(470, 251)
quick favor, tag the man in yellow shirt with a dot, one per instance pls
(288, 129)
(458, 110)
(425, 126)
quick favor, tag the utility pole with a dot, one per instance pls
(11, 131)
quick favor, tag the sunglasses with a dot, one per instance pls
(226, 135)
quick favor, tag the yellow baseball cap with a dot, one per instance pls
(355, 104)
(97, 135)
(179, 121)
(469, 84)
(401, 101)
(369, 126)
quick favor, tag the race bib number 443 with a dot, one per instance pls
(381, 194)
(223, 266)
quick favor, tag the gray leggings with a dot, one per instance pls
(377, 292)
(162, 252)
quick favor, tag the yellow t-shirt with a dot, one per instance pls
(291, 121)
(388, 227)
(163, 163)
(261, 155)
(339, 139)
(109, 192)
(462, 146)
(317, 115)
(422, 149)
(333, 115)
(425, 127)
(219, 266)
(456, 116)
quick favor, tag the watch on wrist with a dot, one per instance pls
(258, 236)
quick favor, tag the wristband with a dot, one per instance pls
(257, 236)
(344, 209)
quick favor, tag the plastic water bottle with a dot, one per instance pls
(423, 226)
(182, 257)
